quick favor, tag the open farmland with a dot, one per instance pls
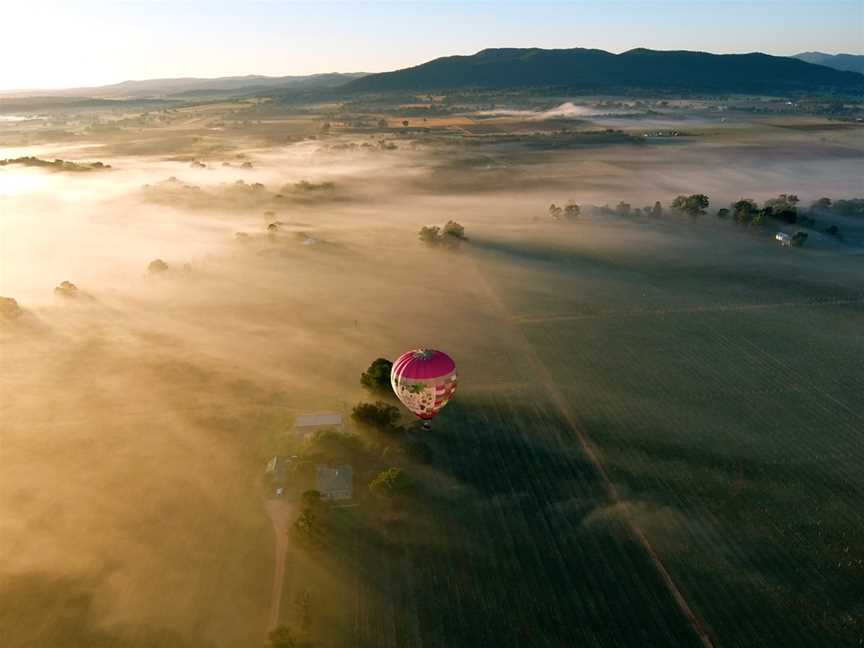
(657, 436)
(728, 414)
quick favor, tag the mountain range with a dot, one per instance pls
(233, 86)
(847, 62)
(573, 69)
(593, 69)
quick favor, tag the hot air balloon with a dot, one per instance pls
(424, 380)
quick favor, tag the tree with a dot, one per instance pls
(311, 499)
(744, 210)
(572, 211)
(823, 205)
(405, 123)
(9, 308)
(451, 235)
(431, 234)
(157, 266)
(623, 209)
(334, 446)
(281, 637)
(66, 289)
(658, 209)
(692, 205)
(272, 229)
(454, 229)
(555, 212)
(799, 238)
(852, 208)
(783, 208)
(312, 525)
(377, 377)
(378, 415)
(390, 484)
(758, 219)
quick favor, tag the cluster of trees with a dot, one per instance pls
(451, 235)
(56, 165)
(379, 416)
(304, 186)
(852, 208)
(312, 525)
(571, 211)
(334, 446)
(784, 208)
(692, 205)
(239, 194)
(745, 211)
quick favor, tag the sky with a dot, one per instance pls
(73, 43)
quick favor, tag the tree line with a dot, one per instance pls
(784, 209)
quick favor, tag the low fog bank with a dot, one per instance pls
(566, 110)
(136, 411)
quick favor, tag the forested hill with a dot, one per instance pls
(592, 68)
(850, 62)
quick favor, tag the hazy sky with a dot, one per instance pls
(66, 43)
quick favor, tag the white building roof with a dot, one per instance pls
(325, 419)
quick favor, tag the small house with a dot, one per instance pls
(306, 424)
(783, 238)
(335, 483)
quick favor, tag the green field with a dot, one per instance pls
(721, 398)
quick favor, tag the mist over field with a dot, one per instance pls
(608, 363)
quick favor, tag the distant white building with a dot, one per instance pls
(306, 424)
(783, 238)
(335, 483)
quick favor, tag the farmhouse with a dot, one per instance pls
(335, 483)
(306, 424)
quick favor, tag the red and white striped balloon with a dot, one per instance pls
(424, 380)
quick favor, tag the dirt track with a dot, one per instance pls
(280, 513)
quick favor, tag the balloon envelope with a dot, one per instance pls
(424, 380)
